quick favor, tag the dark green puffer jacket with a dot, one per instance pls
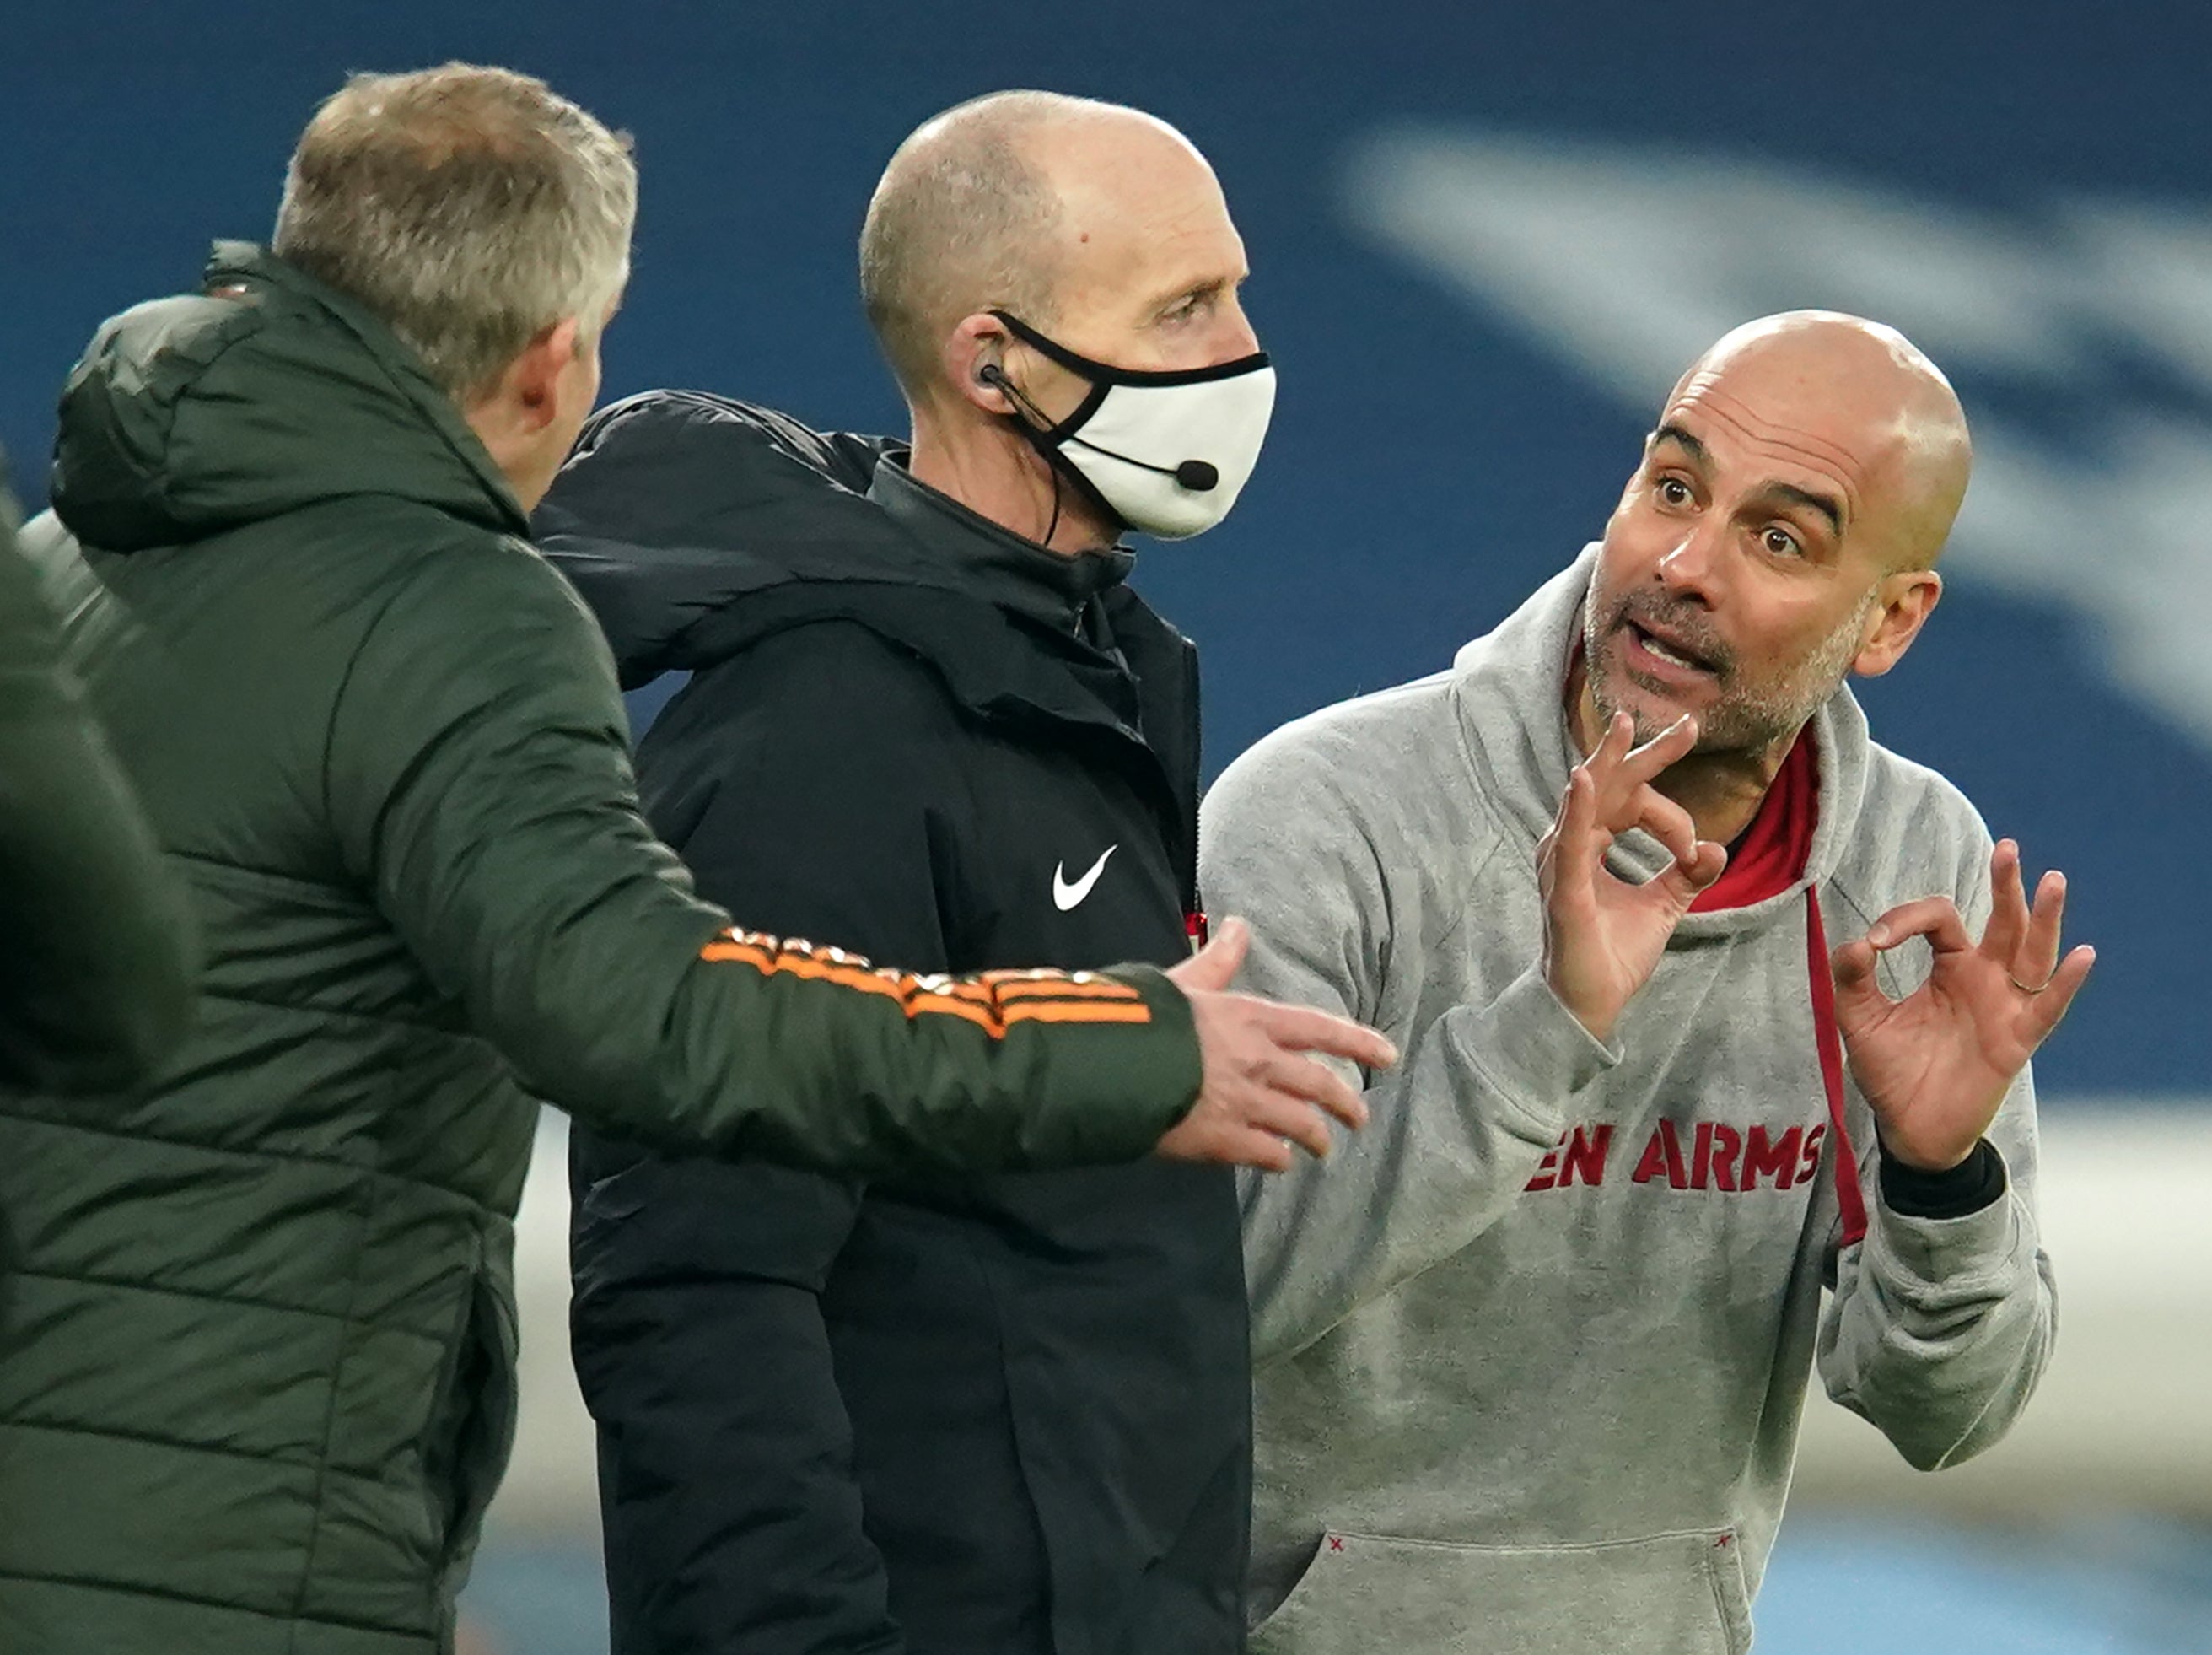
(96, 971)
(257, 1383)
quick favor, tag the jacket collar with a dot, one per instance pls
(991, 560)
(498, 507)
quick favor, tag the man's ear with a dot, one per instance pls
(532, 380)
(975, 363)
(1903, 603)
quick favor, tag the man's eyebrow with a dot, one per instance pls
(1182, 292)
(1826, 505)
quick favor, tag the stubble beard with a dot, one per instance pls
(1741, 718)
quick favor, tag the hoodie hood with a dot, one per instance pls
(268, 392)
(1508, 688)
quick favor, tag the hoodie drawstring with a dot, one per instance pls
(1827, 1035)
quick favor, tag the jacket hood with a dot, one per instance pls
(678, 504)
(266, 392)
(694, 525)
(1507, 686)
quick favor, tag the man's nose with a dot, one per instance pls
(1689, 567)
(1237, 337)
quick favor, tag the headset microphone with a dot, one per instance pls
(1196, 475)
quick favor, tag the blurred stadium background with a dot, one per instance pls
(1483, 241)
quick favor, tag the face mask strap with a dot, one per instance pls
(1043, 441)
(1048, 348)
(1105, 376)
(1053, 433)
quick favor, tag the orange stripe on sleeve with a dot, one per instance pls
(991, 1003)
(981, 1016)
(1068, 988)
(737, 950)
(1061, 1013)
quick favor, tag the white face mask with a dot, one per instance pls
(1167, 451)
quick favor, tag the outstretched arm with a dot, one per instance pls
(480, 784)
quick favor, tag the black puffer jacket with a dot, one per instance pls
(1005, 1414)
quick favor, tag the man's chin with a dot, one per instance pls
(1654, 707)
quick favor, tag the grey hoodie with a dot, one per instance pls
(1533, 1347)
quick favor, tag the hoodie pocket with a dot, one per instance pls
(1665, 1594)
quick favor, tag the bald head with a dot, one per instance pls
(996, 203)
(1779, 534)
(1865, 399)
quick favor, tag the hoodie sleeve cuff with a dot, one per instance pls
(1532, 1049)
(1923, 1254)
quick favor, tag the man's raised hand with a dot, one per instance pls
(1260, 1089)
(1603, 935)
(1934, 1067)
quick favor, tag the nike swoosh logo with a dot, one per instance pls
(1066, 896)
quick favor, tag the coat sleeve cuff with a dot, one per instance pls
(1177, 1069)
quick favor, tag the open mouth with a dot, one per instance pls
(1668, 652)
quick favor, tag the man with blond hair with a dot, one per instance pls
(1013, 1414)
(258, 1383)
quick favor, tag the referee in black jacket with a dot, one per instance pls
(929, 719)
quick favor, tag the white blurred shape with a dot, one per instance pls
(2124, 1417)
(1628, 262)
(552, 1483)
(2154, 265)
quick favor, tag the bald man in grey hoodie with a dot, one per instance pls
(1532, 1352)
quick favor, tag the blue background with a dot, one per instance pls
(1433, 457)
(1430, 461)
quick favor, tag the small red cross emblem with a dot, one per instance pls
(1336, 1543)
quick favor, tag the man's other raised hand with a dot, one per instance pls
(1934, 1067)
